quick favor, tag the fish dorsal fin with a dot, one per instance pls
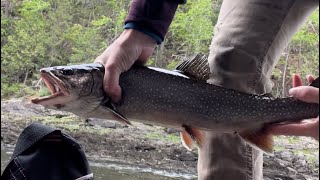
(196, 67)
(315, 83)
(260, 140)
(190, 136)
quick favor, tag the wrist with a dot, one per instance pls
(153, 35)
(139, 37)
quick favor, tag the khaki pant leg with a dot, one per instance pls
(249, 37)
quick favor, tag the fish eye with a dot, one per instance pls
(66, 72)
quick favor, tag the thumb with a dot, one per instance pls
(305, 93)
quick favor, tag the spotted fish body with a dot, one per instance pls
(155, 97)
(171, 99)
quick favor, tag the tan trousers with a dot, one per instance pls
(249, 37)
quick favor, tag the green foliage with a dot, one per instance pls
(31, 7)
(169, 138)
(303, 56)
(79, 38)
(43, 91)
(173, 64)
(26, 46)
(15, 90)
(306, 43)
(102, 21)
(193, 25)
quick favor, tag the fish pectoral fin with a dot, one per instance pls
(191, 135)
(120, 118)
(259, 140)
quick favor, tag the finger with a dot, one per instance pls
(296, 80)
(305, 93)
(292, 129)
(111, 83)
(310, 78)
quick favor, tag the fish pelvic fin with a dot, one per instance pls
(191, 136)
(259, 140)
(186, 140)
(196, 67)
(315, 83)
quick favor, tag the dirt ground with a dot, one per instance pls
(153, 146)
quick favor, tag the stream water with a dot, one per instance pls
(114, 170)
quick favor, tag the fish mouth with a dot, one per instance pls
(56, 87)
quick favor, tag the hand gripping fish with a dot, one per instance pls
(180, 99)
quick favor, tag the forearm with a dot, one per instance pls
(152, 17)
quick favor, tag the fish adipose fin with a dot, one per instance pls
(196, 67)
(259, 140)
(189, 136)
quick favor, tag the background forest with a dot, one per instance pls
(41, 33)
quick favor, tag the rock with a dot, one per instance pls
(286, 156)
(102, 123)
(187, 157)
(183, 155)
(17, 106)
(292, 172)
(283, 163)
(300, 163)
(171, 131)
(144, 148)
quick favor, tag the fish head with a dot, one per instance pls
(77, 88)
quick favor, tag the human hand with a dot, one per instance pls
(130, 47)
(308, 127)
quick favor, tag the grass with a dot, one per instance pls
(169, 138)
(44, 91)
(71, 123)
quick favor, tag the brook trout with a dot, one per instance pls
(180, 99)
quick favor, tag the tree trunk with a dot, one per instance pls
(284, 72)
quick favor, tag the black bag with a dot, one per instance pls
(45, 153)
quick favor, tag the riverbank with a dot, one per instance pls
(151, 146)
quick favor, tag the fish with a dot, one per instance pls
(180, 99)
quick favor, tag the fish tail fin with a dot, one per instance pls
(189, 136)
(260, 140)
(315, 83)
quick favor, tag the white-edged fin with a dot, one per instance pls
(189, 136)
(186, 140)
(119, 117)
(259, 140)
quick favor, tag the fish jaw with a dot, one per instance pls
(60, 95)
